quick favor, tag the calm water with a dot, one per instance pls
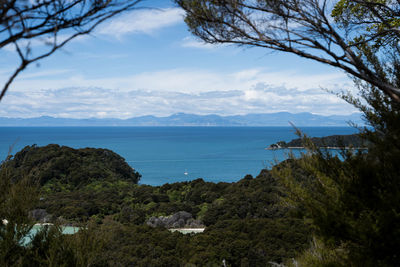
(66, 230)
(164, 154)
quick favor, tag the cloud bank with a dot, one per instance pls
(86, 102)
(165, 92)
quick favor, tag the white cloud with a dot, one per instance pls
(84, 102)
(190, 42)
(247, 74)
(142, 21)
(176, 90)
(138, 21)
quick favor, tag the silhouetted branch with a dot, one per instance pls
(24, 21)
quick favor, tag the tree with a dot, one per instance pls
(17, 198)
(357, 36)
(53, 23)
(22, 245)
(352, 199)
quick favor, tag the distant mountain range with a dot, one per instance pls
(183, 119)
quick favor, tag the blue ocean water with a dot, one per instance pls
(165, 154)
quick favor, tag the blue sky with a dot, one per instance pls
(147, 63)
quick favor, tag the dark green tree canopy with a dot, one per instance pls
(65, 165)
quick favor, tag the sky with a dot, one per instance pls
(146, 62)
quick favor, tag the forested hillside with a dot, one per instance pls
(246, 224)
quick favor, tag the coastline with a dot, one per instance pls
(325, 147)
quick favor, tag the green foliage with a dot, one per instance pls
(354, 203)
(48, 247)
(248, 198)
(17, 197)
(245, 223)
(211, 202)
(319, 255)
(255, 241)
(75, 167)
(376, 18)
(75, 183)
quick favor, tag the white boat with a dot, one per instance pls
(185, 173)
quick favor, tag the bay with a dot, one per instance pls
(173, 154)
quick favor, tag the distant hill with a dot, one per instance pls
(183, 119)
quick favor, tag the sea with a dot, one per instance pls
(173, 154)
